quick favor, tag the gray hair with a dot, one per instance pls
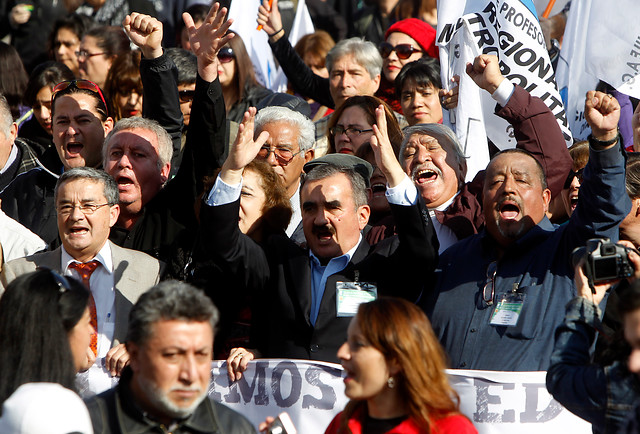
(326, 170)
(5, 116)
(306, 129)
(170, 300)
(447, 139)
(165, 144)
(89, 173)
(365, 53)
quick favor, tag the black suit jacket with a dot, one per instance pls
(279, 277)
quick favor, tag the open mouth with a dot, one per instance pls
(74, 148)
(378, 188)
(78, 230)
(424, 176)
(124, 182)
(323, 234)
(509, 211)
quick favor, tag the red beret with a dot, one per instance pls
(423, 33)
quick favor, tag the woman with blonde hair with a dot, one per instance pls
(395, 374)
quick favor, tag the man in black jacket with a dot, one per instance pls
(164, 388)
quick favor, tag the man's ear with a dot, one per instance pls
(164, 172)
(308, 155)
(134, 353)
(363, 216)
(546, 197)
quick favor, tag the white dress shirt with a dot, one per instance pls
(97, 379)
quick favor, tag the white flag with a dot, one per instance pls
(244, 13)
(511, 31)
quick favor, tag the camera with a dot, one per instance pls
(604, 260)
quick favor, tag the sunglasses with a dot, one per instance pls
(403, 51)
(78, 84)
(572, 175)
(226, 55)
(186, 95)
(283, 155)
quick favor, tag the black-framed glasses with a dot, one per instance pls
(403, 51)
(79, 83)
(226, 55)
(349, 131)
(186, 95)
(489, 289)
(572, 174)
(283, 155)
(86, 209)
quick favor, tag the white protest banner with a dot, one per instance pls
(467, 120)
(510, 30)
(571, 75)
(244, 14)
(313, 393)
(612, 51)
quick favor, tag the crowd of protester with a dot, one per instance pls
(335, 222)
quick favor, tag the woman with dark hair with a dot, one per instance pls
(65, 38)
(417, 87)
(123, 88)
(351, 125)
(45, 331)
(238, 80)
(38, 96)
(13, 80)
(395, 376)
(98, 49)
(425, 10)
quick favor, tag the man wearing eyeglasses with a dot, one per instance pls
(288, 148)
(87, 206)
(500, 294)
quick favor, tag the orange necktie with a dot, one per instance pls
(85, 270)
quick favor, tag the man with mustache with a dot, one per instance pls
(301, 294)
(164, 388)
(501, 293)
(433, 157)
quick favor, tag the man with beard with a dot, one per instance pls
(164, 388)
(433, 157)
(500, 294)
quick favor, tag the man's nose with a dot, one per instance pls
(188, 369)
(124, 161)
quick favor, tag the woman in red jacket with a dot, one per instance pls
(395, 375)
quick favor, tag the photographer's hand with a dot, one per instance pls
(634, 258)
(584, 290)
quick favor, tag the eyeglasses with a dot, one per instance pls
(79, 84)
(349, 131)
(489, 290)
(186, 95)
(283, 155)
(572, 175)
(404, 51)
(86, 209)
(226, 55)
(84, 54)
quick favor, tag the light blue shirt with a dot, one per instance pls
(404, 194)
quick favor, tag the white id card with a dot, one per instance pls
(349, 295)
(508, 310)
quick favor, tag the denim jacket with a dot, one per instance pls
(601, 395)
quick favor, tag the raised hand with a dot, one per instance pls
(208, 39)
(485, 71)
(269, 18)
(237, 362)
(602, 113)
(243, 150)
(383, 151)
(146, 32)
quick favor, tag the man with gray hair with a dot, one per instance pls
(16, 156)
(302, 313)
(288, 148)
(86, 202)
(165, 386)
(432, 156)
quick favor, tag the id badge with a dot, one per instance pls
(508, 310)
(349, 295)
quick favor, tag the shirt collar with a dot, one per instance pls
(346, 257)
(103, 256)
(444, 206)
